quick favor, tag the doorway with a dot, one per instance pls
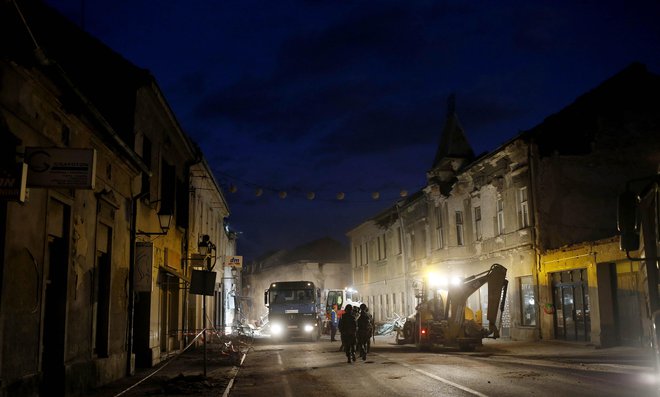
(55, 299)
(570, 290)
(627, 310)
(169, 312)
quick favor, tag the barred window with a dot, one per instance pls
(527, 301)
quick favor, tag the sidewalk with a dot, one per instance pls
(181, 375)
(632, 358)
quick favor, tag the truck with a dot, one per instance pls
(341, 298)
(445, 320)
(294, 310)
(638, 222)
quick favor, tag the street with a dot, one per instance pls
(299, 367)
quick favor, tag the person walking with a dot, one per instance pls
(348, 330)
(333, 323)
(364, 332)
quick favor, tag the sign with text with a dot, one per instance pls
(13, 182)
(234, 261)
(61, 167)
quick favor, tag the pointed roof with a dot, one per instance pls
(453, 143)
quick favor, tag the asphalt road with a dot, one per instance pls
(302, 368)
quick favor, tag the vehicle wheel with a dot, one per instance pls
(408, 331)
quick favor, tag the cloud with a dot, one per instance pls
(390, 33)
(385, 128)
(324, 76)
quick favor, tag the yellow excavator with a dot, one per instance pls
(448, 322)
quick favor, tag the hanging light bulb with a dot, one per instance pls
(311, 195)
(375, 195)
(340, 196)
(259, 192)
(404, 193)
(282, 194)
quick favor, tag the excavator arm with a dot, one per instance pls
(457, 299)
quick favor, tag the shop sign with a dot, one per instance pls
(60, 167)
(234, 261)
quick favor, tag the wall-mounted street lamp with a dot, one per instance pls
(207, 249)
(164, 221)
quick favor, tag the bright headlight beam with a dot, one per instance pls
(276, 329)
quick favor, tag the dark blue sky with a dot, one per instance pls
(350, 96)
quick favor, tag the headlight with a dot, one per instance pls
(309, 328)
(276, 329)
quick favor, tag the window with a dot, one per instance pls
(182, 204)
(394, 308)
(477, 224)
(413, 245)
(439, 227)
(167, 187)
(459, 228)
(399, 242)
(382, 247)
(527, 301)
(524, 208)
(500, 216)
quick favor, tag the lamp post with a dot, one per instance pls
(206, 248)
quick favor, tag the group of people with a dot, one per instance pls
(356, 327)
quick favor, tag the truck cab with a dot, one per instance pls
(341, 298)
(294, 309)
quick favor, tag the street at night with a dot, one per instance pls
(498, 369)
(205, 198)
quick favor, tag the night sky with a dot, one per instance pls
(351, 96)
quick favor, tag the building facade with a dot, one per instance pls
(100, 229)
(521, 205)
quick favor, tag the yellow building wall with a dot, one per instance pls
(597, 258)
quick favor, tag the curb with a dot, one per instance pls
(233, 376)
